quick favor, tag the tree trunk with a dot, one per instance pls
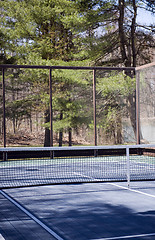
(60, 132)
(47, 130)
(122, 37)
(31, 124)
(119, 128)
(70, 136)
(14, 125)
(133, 29)
(132, 110)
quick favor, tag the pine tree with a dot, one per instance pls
(113, 37)
(41, 32)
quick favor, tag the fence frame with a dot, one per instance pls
(50, 68)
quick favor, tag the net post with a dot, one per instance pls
(128, 166)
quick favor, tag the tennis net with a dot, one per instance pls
(20, 167)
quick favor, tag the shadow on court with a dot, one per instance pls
(88, 211)
(15, 225)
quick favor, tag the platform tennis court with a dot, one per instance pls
(80, 193)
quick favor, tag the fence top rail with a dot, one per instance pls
(5, 66)
(145, 66)
(12, 149)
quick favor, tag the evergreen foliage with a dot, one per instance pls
(72, 32)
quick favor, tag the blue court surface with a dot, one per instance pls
(92, 211)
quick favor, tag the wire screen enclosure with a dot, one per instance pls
(146, 102)
(63, 105)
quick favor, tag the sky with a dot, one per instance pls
(145, 17)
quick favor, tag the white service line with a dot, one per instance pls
(31, 216)
(132, 190)
(85, 176)
(127, 237)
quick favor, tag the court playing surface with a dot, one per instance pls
(93, 211)
(97, 193)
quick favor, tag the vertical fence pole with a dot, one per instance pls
(4, 113)
(94, 106)
(51, 109)
(128, 166)
(137, 109)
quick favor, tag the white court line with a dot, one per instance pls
(82, 175)
(127, 237)
(1, 238)
(126, 188)
(31, 216)
(132, 190)
(85, 176)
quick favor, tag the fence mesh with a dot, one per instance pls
(146, 78)
(27, 102)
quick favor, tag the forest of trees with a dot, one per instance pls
(73, 33)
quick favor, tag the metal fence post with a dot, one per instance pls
(4, 112)
(137, 109)
(51, 108)
(94, 106)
